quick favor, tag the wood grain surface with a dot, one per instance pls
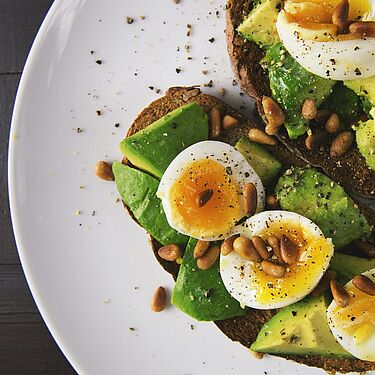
(26, 346)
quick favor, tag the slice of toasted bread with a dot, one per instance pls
(351, 170)
(243, 329)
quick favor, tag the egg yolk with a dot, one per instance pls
(220, 213)
(306, 272)
(321, 10)
(358, 318)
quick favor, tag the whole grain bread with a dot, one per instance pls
(242, 329)
(350, 170)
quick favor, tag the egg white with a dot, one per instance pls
(344, 60)
(238, 274)
(364, 351)
(224, 154)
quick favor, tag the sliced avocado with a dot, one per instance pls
(153, 148)
(138, 191)
(350, 266)
(363, 87)
(365, 136)
(291, 85)
(266, 165)
(202, 294)
(260, 25)
(300, 329)
(314, 195)
(345, 103)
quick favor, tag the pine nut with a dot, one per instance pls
(323, 285)
(272, 201)
(333, 123)
(273, 269)
(341, 144)
(261, 247)
(322, 116)
(316, 140)
(257, 355)
(215, 122)
(227, 245)
(271, 130)
(250, 199)
(366, 248)
(340, 16)
(274, 114)
(229, 122)
(363, 28)
(364, 284)
(309, 110)
(246, 250)
(204, 197)
(340, 295)
(104, 171)
(209, 258)
(288, 251)
(170, 252)
(260, 136)
(200, 248)
(275, 244)
(159, 300)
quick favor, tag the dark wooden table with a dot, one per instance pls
(26, 346)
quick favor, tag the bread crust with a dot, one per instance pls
(351, 170)
(241, 329)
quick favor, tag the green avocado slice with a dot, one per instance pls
(300, 329)
(202, 294)
(314, 195)
(138, 191)
(153, 148)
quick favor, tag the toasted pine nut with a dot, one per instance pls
(364, 284)
(227, 245)
(209, 258)
(271, 130)
(170, 252)
(257, 355)
(274, 114)
(341, 144)
(159, 300)
(275, 244)
(200, 248)
(104, 171)
(340, 16)
(366, 248)
(333, 123)
(261, 247)
(272, 201)
(204, 197)
(322, 116)
(340, 295)
(309, 110)
(273, 269)
(229, 122)
(245, 249)
(316, 140)
(363, 28)
(259, 136)
(250, 199)
(215, 122)
(323, 285)
(288, 251)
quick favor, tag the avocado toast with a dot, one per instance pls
(242, 326)
(263, 69)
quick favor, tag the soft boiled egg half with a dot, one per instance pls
(209, 167)
(251, 286)
(354, 325)
(307, 32)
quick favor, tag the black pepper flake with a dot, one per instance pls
(98, 112)
(151, 87)
(117, 125)
(129, 20)
(358, 72)
(211, 40)
(294, 313)
(99, 62)
(131, 329)
(92, 52)
(173, 125)
(178, 70)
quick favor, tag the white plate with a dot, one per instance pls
(93, 276)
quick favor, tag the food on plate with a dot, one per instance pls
(255, 271)
(314, 61)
